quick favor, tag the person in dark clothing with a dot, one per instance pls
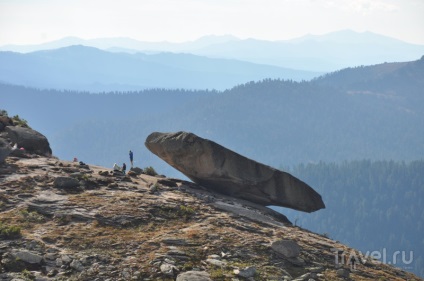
(352, 262)
(131, 158)
(124, 167)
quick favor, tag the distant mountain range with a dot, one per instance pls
(84, 68)
(319, 53)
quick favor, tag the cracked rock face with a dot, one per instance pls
(220, 169)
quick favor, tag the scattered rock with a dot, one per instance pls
(28, 257)
(194, 276)
(76, 175)
(168, 269)
(52, 272)
(11, 263)
(317, 269)
(220, 169)
(287, 248)
(112, 185)
(21, 260)
(304, 277)
(342, 272)
(216, 262)
(77, 265)
(50, 256)
(216, 257)
(247, 272)
(104, 173)
(66, 259)
(131, 174)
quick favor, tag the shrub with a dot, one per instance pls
(326, 235)
(28, 274)
(186, 211)
(18, 121)
(32, 216)
(174, 212)
(9, 232)
(150, 171)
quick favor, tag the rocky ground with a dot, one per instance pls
(61, 220)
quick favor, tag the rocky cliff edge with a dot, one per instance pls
(62, 220)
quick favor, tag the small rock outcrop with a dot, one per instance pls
(220, 169)
(67, 183)
(287, 248)
(29, 139)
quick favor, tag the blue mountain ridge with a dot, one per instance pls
(91, 69)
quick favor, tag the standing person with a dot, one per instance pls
(124, 167)
(131, 158)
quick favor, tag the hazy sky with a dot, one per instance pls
(37, 21)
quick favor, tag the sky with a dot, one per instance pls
(37, 21)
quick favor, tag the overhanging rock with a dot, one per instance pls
(220, 169)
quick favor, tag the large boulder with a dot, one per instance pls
(5, 150)
(220, 169)
(29, 139)
(288, 248)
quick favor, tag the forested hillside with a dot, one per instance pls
(276, 122)
(388, 79)
(370, 205)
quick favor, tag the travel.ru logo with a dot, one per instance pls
(353, 258)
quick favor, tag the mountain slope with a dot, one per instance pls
(89, 69)
(142, 227)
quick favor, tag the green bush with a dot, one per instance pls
(185, 211)
(32, 216)
(3, 112)
(9, 232)
(150, 171)
(18, 121)
(28, 274)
